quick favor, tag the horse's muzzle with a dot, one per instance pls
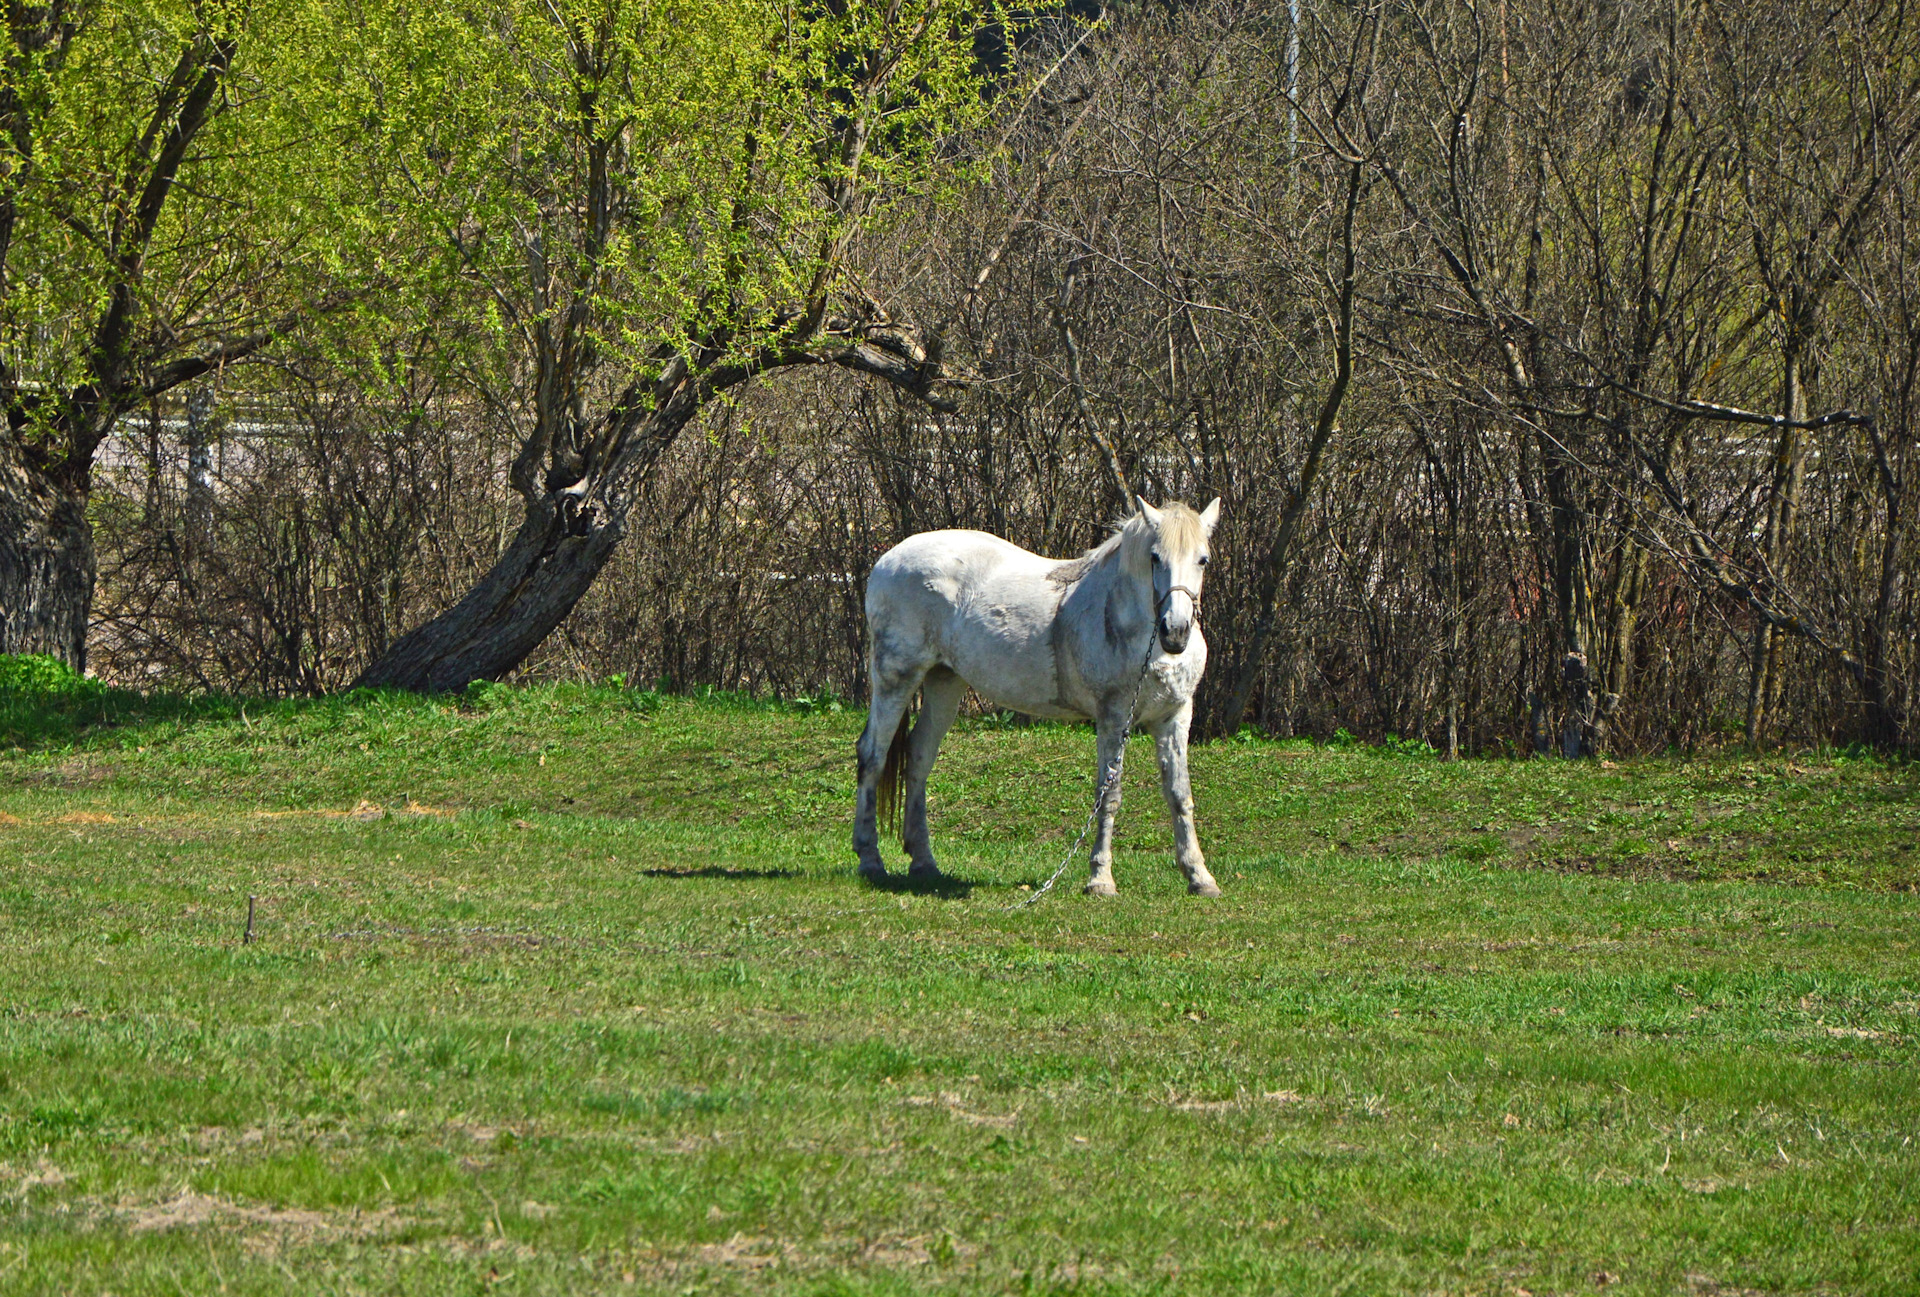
(1175, 623)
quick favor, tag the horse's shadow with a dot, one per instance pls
(721, 871)
(944, 886)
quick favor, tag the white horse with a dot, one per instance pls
(1061, 638)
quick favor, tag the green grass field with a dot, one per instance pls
(566, 990)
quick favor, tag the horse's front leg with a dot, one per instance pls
(1170, 743)
(1112, 747)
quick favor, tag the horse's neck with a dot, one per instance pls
(1127, 600)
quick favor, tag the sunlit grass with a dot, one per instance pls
(570, 989)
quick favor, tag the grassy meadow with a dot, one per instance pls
(564, 989)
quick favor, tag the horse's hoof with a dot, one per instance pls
(872, 871)
(1101, 887)
(1207, 888)
(927, 873)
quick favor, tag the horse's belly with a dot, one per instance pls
(1019, 695)
(1020, 680)
(1009, 665)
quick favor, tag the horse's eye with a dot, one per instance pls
(1203, 560)
(1157, 560)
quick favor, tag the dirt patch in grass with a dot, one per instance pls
(751, 1253)
(1673, 866)
(956, 1105)
(266, 1228)
(44, 1175)
(449, 938)
(364, 812)
(75, 772)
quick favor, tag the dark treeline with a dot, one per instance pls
(1556, 364)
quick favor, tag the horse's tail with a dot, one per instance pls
(891, 774)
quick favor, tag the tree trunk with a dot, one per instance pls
(1451, 655)
(199, 470)
(545, 570)
(1569, 545)
(1222, 718)
(1789, 475)
(1885, 727)
(46, 563)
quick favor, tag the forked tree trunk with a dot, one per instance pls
(546, 569)
(46, 563)
(570, 531)
(1570, 550)
(1879, 685)
(1783, 502)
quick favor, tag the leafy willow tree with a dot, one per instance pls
(653, 202)
(171, 182)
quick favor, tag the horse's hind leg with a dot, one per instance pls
(940, 695)
(892, 694)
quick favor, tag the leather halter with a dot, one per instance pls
(1161, 602)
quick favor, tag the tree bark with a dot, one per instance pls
(1879, 687)
(47, 563)
(1570, 546)
(546, 569)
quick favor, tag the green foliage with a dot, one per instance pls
(37, 675)
(1398, 746)
(826, 702)
(659, 170)
(44, 700)
(419, 187)
(273, 207)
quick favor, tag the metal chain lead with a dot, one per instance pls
(1106, 782)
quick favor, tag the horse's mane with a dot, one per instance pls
(1179, 526)
(1069, 570)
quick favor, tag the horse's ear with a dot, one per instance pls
(1147, 511)
(1210, 516)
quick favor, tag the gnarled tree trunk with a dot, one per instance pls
(572, 527)
(546, 569)
(570, 530)
(46, 562)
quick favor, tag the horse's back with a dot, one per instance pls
(972, 602)
(954, 564)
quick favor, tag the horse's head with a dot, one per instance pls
(1178, 556)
